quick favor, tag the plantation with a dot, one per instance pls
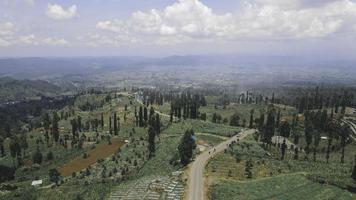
(277, 179)
(291, 186)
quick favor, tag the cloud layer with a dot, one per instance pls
(271, 19)
(188, 26)
(57, 12)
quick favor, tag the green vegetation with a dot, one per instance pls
(290, 186)
(289, 178)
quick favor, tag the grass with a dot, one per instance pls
(211, 140)
(291, 186)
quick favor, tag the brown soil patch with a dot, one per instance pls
(100, 152)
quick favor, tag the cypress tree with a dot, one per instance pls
(115, 124)
(140, 117)
(110, 125)
(283, 149)
(186, 147)
(145, 115)
(353, 175)
(102, 120)
(158, 124)
(55, 128)
(251, 118)
(151, 142)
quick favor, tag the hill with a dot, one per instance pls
(18, 90)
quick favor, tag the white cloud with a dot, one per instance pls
(57, 12)
(269, 19)
(95, 40)
(4, 43)
(28, 39)
(55, 42)
(6, 29)
(6, 34)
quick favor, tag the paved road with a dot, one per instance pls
(196, 178)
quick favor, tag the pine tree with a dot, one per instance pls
(186, 147)
(235, 120)
(102, 121)
(140, 117)
(353, 175)
(151, 142)
(251, 118)
(37, 156)
(316, 143)
(54, 176)
(115, 124)
(55, 128)
(344, 135)
(158, 124)
(110, 125)
(79, 123)
(308, 130)
(328, 148)
(2, 150)
(283, 149)
(145, 115)
(296, 148)
(248, 168)
(46, 125)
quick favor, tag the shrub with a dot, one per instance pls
(6, 173)
(49, 156)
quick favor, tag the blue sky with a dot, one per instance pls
(318, 28)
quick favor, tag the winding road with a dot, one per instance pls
(196, 177)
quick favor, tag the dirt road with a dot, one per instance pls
(196, 178)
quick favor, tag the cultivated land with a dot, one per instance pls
(117, 166)
(276, 179)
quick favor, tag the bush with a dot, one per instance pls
(6, 173)
(49, 156)
(37, 157)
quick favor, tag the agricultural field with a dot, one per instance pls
(100, 151)
(289, 186)
(273, 178)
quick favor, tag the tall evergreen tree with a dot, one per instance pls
(251, 118)
(110, 125)
(2, 149)
(46, 125)
(353, 175)
(116, 131)
(316, 143)
(151, 142)
(283, 149)
(186, 147)
(296, 148)
(308, 131)
(344, 133)
(140, 117)
(102, 121)
(235, 120)
(55, 128)
(158, 124)
(79, 123)
(145, 115)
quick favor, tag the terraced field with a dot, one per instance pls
(292, 187)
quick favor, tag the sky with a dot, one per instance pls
(317, 28)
